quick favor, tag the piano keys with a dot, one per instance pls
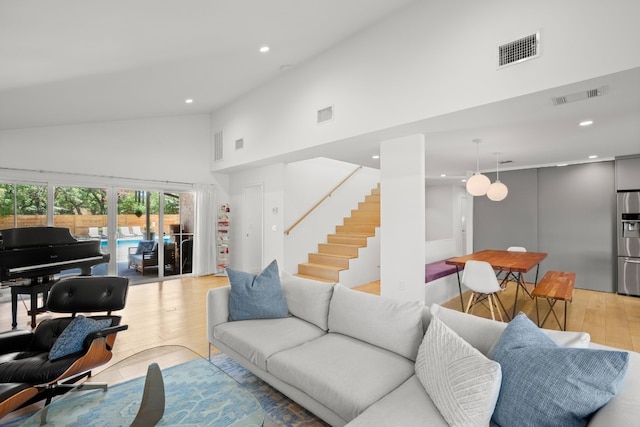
(38, 253)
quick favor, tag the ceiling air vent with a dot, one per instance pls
(239, 143)
(519, 50)
(578, 96)
(217, 147)
(325, 115)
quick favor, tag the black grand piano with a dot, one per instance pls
(37, 254)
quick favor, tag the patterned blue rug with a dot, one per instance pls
(279, 409)
(196, 395)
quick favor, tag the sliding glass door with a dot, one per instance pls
(142, 229)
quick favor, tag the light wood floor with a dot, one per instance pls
(173, 313)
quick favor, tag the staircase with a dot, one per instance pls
(334, 256)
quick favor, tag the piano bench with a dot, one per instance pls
(29, 289)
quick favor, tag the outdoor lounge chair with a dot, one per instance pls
(145, 256)
(125, 232)
(137, 232)
(94, 233)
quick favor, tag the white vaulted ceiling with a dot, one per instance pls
(78, 61)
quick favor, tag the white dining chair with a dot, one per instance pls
(516, 277)
(481, 279)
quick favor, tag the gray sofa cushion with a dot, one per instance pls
(307, 299)
(408, 405)
(342, 373)
(482, 333)
(256, 340)
(384, 322)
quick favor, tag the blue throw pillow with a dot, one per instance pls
(256, 297)
(547, 385)
(72, 337)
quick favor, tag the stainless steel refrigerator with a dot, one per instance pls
(629, 242)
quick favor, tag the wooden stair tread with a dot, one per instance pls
(333, 255)
(328, 267)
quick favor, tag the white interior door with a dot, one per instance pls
(252, 220)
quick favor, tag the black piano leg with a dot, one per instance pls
(34, 307)
(14, 308)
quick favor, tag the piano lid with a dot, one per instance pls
(26, 237)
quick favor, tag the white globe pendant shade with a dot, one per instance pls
(497, 191)
(478, 184)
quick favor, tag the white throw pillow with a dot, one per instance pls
(462, 382)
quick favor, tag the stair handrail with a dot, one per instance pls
(329, 194)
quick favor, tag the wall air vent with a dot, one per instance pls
(519, 50)
(217, 147)
(325, 115)
(578, 96)
(239, 143)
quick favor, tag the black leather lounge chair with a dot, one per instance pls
(27, 358)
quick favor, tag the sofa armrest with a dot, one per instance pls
(624, 406)
(217, 308)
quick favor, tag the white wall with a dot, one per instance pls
(402, 218)
(166, 149)
(438, 212)
(432, 58)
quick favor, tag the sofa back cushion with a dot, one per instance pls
(391, 324)
(482, 333)
(307, 299)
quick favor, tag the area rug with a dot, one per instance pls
(193, 392)
(195, 395)
(280, 410)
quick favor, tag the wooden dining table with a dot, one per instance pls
(502, 260)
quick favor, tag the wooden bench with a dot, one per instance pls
(555, 286)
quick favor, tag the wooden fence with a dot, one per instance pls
(79, 225)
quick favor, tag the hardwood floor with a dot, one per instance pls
(611, 319)
(173, 313)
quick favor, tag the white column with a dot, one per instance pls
(402, 218)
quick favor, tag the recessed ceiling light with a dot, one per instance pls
(442, 175)
(264, 49)
(593, 156)
(562, 164)
(463, 180)
(586, 123)
(375, 156)
(188, 101)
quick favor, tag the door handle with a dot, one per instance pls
(631, 261)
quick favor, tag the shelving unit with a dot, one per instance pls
(222, 242)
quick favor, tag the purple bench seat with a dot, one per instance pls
(437, 269)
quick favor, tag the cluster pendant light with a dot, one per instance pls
(478, 184)
(497, 191)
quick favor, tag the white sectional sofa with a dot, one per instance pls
(349, 357)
